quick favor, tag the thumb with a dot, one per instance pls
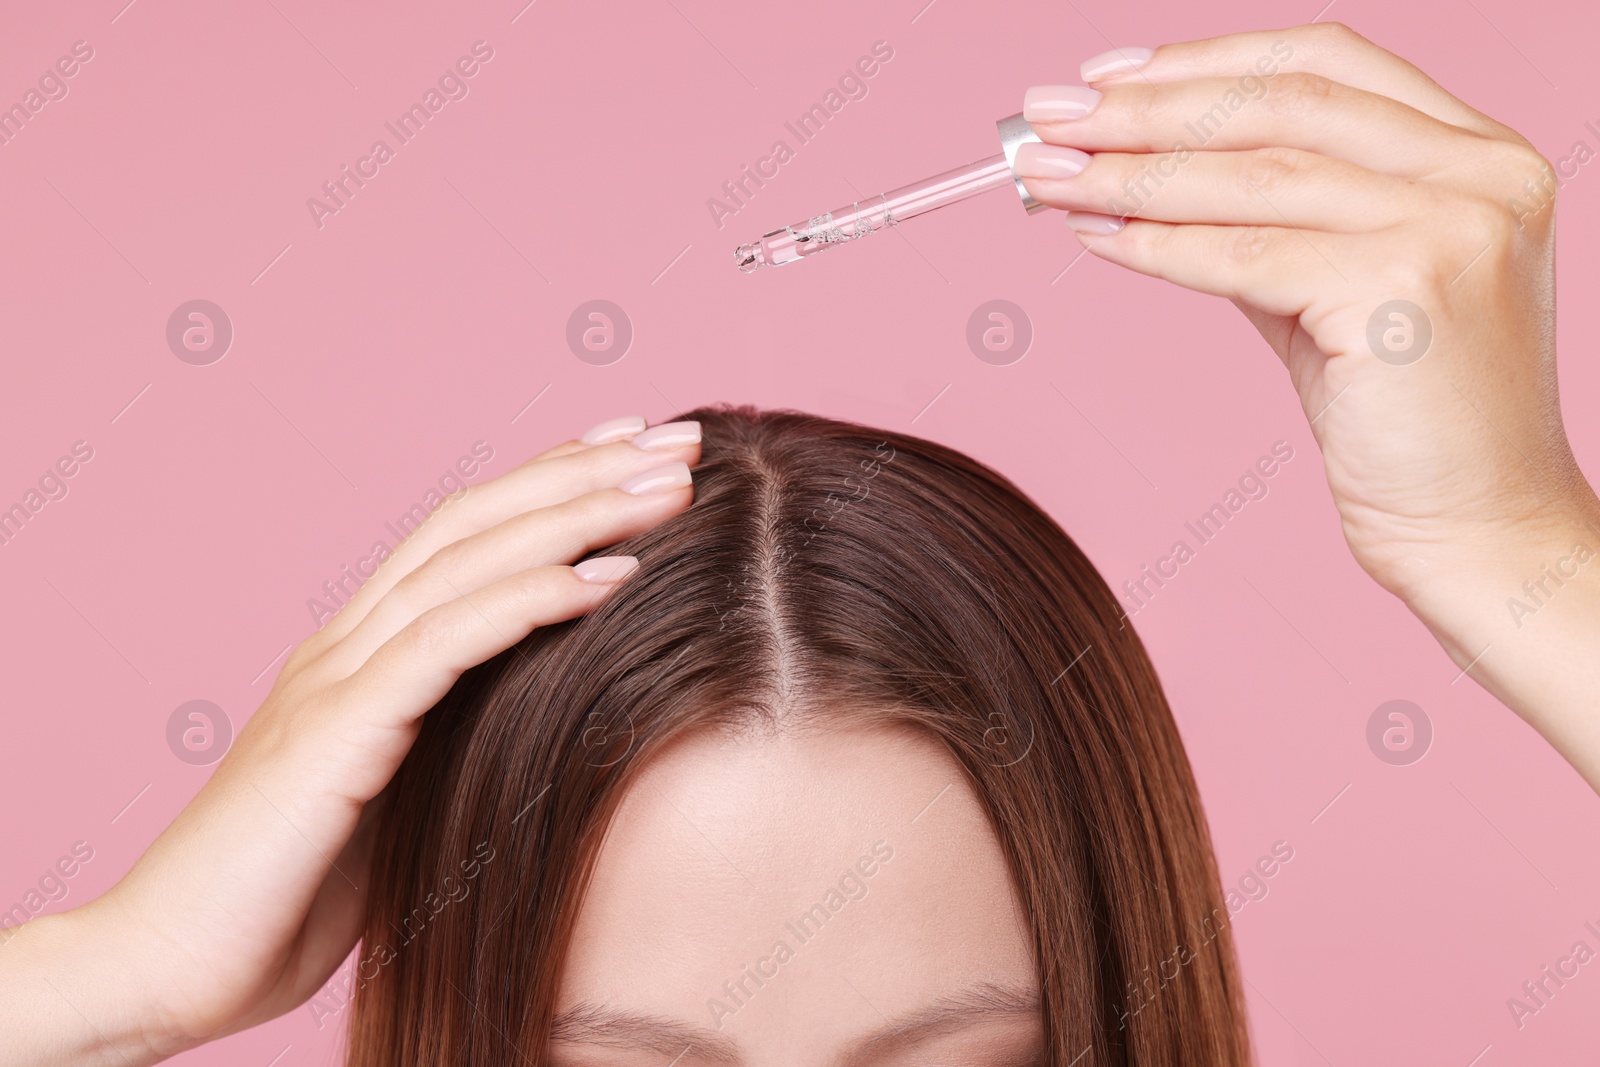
(1276, 329)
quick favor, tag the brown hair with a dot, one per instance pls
(823, 565)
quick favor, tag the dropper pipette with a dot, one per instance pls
(862, 218)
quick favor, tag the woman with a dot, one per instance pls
(850, 694)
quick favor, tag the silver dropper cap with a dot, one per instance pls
(1015, 130)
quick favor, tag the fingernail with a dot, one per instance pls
(658, 479)
(1054, 103)
(1117, 61)
(1035, 159)
(613, 430)
(606, 568)
(668, 435)
(1090, 222)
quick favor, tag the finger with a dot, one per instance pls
(414, 669)
(1264, 187)
(1329, 49)
(1276, 330)
(1294, 110)
(557, 534)
(1278, 270)
(618, 429)
(528, 487)
(333, 921)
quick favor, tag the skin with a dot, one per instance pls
(720, 847)
(1350, 180)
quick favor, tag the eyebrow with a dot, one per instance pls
(593, 1024)
(944, 1016)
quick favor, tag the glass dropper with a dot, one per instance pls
(862, 218)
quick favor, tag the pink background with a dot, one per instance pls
(371, 353)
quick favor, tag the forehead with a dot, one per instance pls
(853, 871)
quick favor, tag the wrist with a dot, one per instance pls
(70, 995)
(1491, 581)
(1519, 611)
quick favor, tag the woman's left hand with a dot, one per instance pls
(1395, 248)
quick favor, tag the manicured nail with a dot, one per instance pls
(1089, 222)
(613, 430)
(658, 479)
(1035, 159)
(668, 435)
(1117, 61)
(603, 569)
(1055, 103)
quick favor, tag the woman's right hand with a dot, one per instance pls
(255, 894)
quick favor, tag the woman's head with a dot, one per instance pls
(860, 764)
